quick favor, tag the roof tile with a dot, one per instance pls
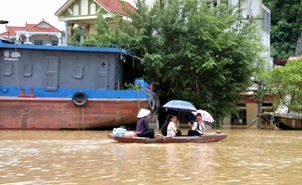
(115, 6)
(110, 5)
(11, 30)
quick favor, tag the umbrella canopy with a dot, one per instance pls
(205, 115)
(180, 105)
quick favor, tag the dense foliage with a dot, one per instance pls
(190, 51)
(77, 33)
(286, 83)
(286, 27)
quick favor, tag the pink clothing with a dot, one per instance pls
(204, 128)
(170, 129)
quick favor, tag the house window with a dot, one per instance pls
(212, 3)
(240, 119)
(209, 4)
(266, 21)
(55, 43)
(241, 105)
(267, 104)
(38, 42)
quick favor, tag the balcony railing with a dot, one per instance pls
(70, 44)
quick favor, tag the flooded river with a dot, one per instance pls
(88, 157)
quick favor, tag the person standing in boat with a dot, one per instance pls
(172, 127)
(142, 126)
(198, 127)
(164, 128)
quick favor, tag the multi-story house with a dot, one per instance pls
(84, 13)
(249, 107)
(42, 33)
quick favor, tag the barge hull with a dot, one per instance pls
(60, 113)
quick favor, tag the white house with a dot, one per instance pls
(84, 13)
(256, 10)
(42, 33)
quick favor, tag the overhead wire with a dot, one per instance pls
(294, 47)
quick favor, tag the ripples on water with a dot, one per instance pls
(77, 157)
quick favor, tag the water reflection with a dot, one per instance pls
(58, 157)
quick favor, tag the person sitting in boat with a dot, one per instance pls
(165, 126)
(198, 127)
(142, 126)
(172, 127)
(192, 119)
(201, 122)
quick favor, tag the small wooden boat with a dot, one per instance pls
(285, 121)
(210, 137)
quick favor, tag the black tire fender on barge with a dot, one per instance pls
(153, 101)
(79, 96)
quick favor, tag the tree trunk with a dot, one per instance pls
(162, 5)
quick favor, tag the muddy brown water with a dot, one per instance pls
(88, 157)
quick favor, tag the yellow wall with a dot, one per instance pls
(251, 114)
(92, 28)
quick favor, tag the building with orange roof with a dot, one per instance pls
(42, 33)
(84, 13)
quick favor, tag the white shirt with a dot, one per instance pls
(170, 129)
(195, 124)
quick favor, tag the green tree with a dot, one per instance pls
(77, 34)
(286, 83)
(190, 51)
(286, 27)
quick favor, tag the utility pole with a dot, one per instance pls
(259, 104)
(259, 83)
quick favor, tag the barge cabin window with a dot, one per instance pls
(8, 69)
(78, 72)
(28, 70)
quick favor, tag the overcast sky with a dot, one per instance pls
(18, 12)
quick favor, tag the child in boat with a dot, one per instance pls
(165, 125)
(172, 127)
(198, 127)
(164, 128)
(142, 126)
